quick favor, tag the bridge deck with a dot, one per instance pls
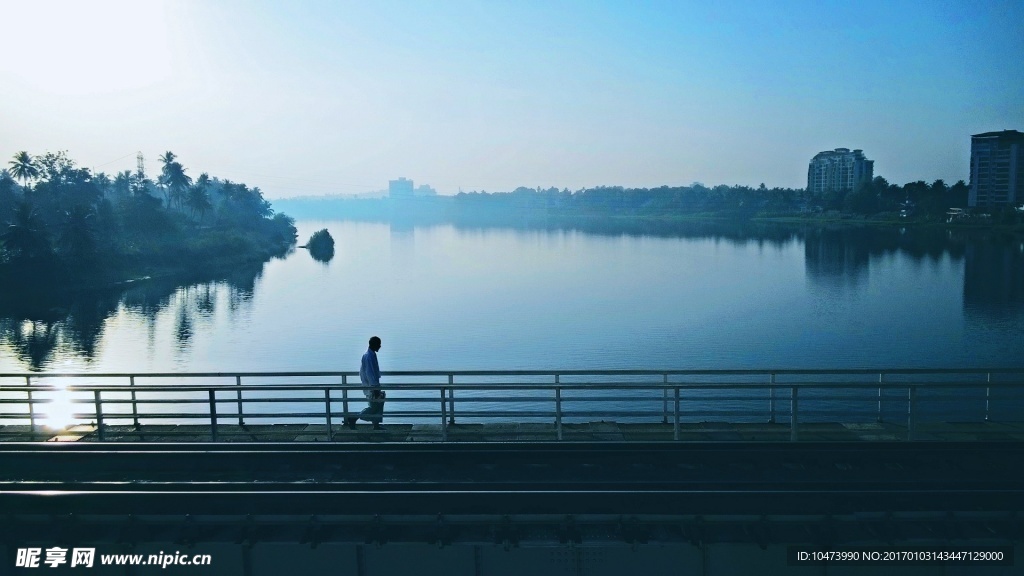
(556, 491)
(519, 432)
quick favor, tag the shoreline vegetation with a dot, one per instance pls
(876, 203)
(64, 228)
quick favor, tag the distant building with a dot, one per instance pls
(425, 190)
(838, 170)
(997, 169)
(400, 189)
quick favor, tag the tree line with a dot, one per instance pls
(874, 198)
(62, 221)
(877, 200)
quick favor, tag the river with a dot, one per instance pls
(456, 298)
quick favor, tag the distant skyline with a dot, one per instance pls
(332, 97)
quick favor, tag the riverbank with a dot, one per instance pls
(890, 220)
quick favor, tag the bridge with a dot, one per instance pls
(519, 405)
(570, 472)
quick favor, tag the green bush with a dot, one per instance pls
(321, 245)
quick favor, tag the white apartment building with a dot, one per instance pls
(838, 170)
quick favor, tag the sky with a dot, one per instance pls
(310, 97)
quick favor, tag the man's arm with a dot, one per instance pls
(376, 367)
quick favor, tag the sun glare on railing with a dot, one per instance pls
(60, 411)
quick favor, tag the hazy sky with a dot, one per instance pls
(301, 97)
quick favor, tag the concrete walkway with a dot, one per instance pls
(525, 432)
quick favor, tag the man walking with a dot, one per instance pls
(369, 374)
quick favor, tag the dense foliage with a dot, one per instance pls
(877, 200)
(63, 222)
(875, 197)
(321, 245)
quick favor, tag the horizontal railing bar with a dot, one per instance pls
(847, 403)
(141, 388)
(203, 419)
(865, 417)
(191, 376)
(439, 373)
(463, 413)
(247, 414)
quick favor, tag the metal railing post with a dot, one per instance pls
(451, 399)
(558, 408)
(213, 415)
(444, 418)
(238, 382)
(675, 427)
(31, 403)
(911, 411)
(988, 394)
(344, 395)
(135, 404)
(99, 415)
(881, 380)
(771, 399)
(794, 416)
(664, 400)
(327, 403)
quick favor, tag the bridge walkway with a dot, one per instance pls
(526, 432)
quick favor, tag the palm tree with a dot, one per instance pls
(198, 199)
(23, 167)
(123, 184)
(203, 181)
(140, 184)
(167, 158)
(177, 182)
(25, 239)
(103, 182)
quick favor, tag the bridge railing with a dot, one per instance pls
(227, 402)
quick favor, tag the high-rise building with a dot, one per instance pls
(997, 169)
(838, 170)
(400, 189)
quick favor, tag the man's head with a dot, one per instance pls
(374, 343)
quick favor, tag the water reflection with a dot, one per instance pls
(836, 257)
(842, 256)
(994, 276)
(41, 328)
(322, 255)
(33, 341)
(183, 325)
(738, 233)
(183, 318)
(205, 301)
(402, 245)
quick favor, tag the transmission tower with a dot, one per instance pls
(141, 166)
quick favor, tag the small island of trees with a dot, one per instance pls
(321, 245)
(63, 225)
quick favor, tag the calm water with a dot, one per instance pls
(448, 298)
